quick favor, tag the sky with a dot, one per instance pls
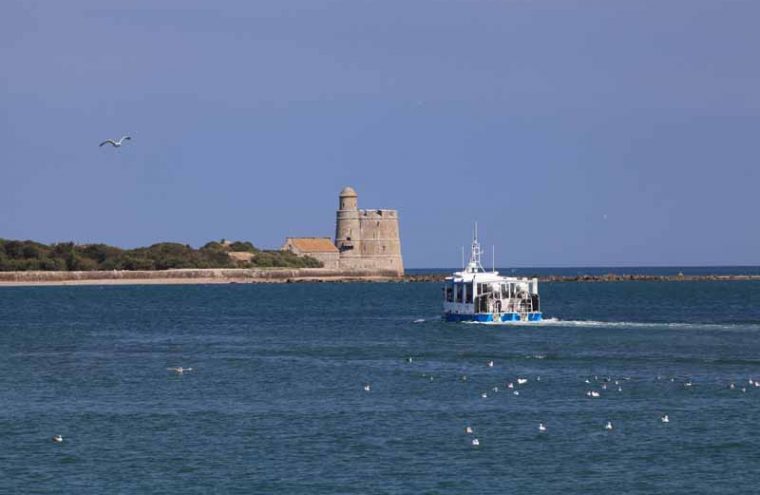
(577, 133)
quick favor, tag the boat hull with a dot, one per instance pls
(491, 318)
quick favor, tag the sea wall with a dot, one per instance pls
(285, 275)
(440, 277)
(214, 275)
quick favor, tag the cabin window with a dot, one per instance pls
(449, 292)
(468, 293)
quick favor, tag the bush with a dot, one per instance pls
(243, 246)
(29, 255)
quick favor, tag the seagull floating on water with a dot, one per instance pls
(57, 438)
(367, 388)
(475, 442)
(592, 393)
(484, 395)
(665, 419)
(490, 364)
(516, 392)
(541, 427)
(510, 385)
(522, 381)
(608, 426)
(116, 144)
(468, 430)
(179, 369)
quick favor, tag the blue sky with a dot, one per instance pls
(576, 132)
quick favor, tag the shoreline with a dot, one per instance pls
(299, 275)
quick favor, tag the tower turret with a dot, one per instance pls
(347, 225)
(348, 199)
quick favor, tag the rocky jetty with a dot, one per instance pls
(610, 277)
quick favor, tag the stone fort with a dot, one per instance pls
(365, 240)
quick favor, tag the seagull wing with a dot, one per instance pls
(124, 138)
(107, 141)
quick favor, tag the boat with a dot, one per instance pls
(477, 295)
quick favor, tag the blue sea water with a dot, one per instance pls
(275, 402)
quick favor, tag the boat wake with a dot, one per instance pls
(556, 322)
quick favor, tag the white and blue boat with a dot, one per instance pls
(480, 296)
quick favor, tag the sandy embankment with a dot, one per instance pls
(189, 276)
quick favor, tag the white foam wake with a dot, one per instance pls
(549, 322)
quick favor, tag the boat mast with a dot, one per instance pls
(474, 265)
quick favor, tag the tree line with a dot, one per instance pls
(68, 256)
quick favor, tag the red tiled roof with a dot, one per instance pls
(313, 244)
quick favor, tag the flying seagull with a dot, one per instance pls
(116, 144)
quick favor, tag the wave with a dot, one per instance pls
(550, 322)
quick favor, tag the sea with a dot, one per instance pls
(338, 388)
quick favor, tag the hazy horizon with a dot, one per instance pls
(578, 134)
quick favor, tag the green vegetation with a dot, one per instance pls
(67, 256)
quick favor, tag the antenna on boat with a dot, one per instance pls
(493, 257)
(474, 265)
(462, 257)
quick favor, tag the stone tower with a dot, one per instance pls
(347, 226)
(367, 240)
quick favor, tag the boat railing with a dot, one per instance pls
(523, 306)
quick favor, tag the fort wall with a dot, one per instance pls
(365, 240)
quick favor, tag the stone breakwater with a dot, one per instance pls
(193, 276)
(287, 275)
(436, 277)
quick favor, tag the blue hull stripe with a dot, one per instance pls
(488, 317)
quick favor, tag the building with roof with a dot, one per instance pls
(320, 248)
(365, 240)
